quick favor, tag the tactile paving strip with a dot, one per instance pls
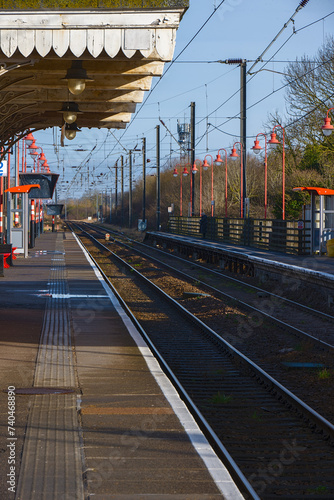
(51, 462)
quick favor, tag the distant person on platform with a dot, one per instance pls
(203, 225)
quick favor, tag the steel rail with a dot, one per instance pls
(260, 374)
(282, 324)
(297, 304)
(237, 475)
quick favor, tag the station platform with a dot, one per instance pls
(86, 412)
(309, 275)
(305, 263)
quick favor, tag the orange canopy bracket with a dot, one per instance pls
(22, 189)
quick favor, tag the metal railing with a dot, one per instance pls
(287, 236)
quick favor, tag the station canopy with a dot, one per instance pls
(114, 48)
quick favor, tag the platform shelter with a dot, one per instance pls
(79, 63)
(321, 216)
(18, 204)
(94, 59)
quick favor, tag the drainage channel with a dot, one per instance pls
(51, 462)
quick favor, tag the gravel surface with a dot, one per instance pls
(256, 337)
(261, 341)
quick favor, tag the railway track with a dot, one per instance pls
(274, 438)
(282, 348)
(270, 302)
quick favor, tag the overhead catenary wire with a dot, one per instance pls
(249, 107)
(265, 63)
(277, 90)
(302, 4)
(234, 94)
(173, 62)
(253, 75)
(290, 124)
(192, 89)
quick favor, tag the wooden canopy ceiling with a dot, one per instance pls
(120, 51)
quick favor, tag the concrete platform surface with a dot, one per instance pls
(86, 412)
(313, 263)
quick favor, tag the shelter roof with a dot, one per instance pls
(121, 50)
(22, 189)
(318, 190)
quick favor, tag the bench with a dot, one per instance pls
(7, 250)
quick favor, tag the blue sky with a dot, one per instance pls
(238, 29)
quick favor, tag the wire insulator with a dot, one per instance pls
(303, 3)
(234, 61)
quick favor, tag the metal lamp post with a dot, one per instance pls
(175, 174)
(205, 167)
(257, 148)
(234, 155)
(183, 173)
(274, 142)
(200, 183)
(219, 160)
(193, 171)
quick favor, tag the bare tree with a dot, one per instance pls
(310, 92)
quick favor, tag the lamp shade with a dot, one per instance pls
(205, 165)
(327, 128)
(234, 155)
(71, 130)
(46, 166)
(32, 149)
(273, 140)
(70, 111)
(70, 134)
(76, 86)
(76, 78)
(256, 148)
(29, 139)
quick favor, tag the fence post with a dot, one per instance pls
(277, 239)
(226, 229)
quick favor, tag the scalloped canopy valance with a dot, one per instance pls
(121, 51)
